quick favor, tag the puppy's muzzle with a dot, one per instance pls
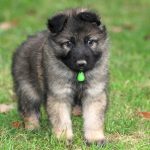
(81, 64)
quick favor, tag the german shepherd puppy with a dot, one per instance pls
(46, 67)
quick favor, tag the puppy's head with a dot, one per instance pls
(78, 38)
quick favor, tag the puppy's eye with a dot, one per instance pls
(67, 45)
(92, 43)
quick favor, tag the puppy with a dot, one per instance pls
(63, 67)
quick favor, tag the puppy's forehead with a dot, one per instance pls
(81, 29)
(79, 32)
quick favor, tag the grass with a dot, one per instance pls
(128, 24)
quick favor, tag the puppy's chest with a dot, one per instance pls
(79, 93)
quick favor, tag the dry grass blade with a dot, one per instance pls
(7, 25)
(145, 115)
(4, 108)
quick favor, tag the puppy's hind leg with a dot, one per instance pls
(29, 105)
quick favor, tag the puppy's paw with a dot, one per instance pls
(31, 123)
(95, 137)
(99, 143)
(77, 110)
(69, 142)
(63, 134)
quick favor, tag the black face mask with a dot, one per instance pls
(82, 59)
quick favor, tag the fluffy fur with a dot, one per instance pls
(45, 67)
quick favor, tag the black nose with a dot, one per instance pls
(81, 63)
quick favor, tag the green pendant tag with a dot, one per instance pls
(80, 77)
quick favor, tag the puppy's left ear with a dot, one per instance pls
(89, 17)
(57, 23)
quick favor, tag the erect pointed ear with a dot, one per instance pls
(57, 23)
(89, 17)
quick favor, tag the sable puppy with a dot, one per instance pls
(45, 69)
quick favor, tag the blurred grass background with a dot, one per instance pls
(128, 24)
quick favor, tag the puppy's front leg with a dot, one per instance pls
(93, 114)
(59, 112)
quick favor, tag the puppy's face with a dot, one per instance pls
(77, 39)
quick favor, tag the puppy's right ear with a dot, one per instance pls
(57, 23)
(89, 17)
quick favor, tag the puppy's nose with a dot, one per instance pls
(81, 63)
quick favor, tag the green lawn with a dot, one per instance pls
(128, 23)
